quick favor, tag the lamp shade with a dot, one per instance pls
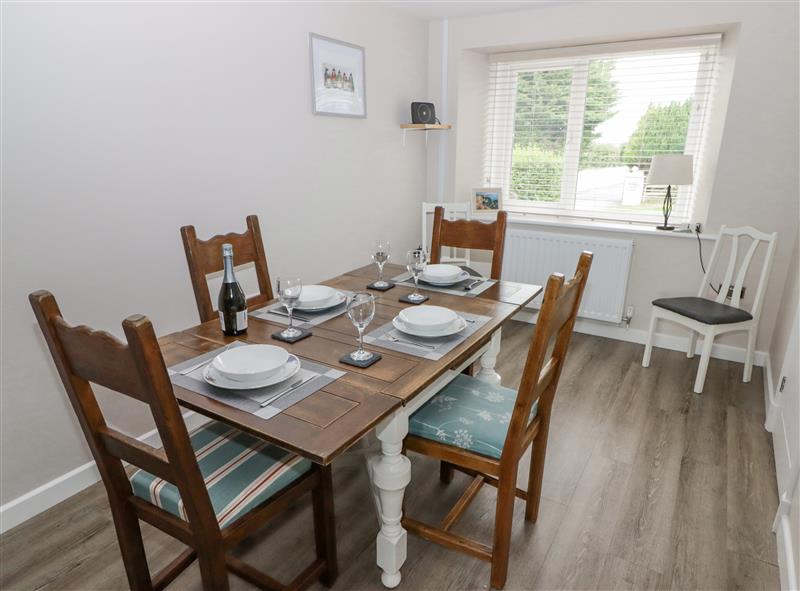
(670, 169)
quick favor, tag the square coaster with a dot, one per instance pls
(384, 288)
(415, 302)
(303, 334)
(366, 363)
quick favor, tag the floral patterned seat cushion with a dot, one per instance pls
(470, 414)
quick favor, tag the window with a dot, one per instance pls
(572, 132)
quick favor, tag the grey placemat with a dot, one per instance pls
(318, 376)
(420, 346)
(455, 289)
(302, 318)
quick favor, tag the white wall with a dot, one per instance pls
(755, 181)
(123, 122)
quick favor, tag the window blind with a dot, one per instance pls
(573, 132)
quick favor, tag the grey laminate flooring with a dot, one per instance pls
(647, 486)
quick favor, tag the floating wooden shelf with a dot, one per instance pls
(424, 126)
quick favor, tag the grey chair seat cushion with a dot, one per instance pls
(703, 310)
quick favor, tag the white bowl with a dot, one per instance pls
(427, 318)
(337, 299)
(250, 363)
(213, 377)
(314, 296)
(457, 326)
(446, 283)
(441, 273)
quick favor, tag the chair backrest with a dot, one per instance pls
(205, 257)
(736, 267)
(546, 356)
(452, 211)
(470, 234)
(84, 357)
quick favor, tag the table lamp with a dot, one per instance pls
(669, 169)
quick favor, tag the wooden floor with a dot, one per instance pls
(647, 486)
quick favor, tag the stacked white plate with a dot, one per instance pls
(443, 275)
(251, 366)
(429, 321)
(316, 298)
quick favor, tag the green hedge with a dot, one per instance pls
(536, 173)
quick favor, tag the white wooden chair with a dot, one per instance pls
(452, 211)
(711, 317)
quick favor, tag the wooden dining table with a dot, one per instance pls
(330, 421)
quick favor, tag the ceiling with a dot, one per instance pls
(441, 9)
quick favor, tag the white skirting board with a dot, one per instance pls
(51, 493)
(663, 341)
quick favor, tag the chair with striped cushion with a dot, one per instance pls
(210, 489)
(483, 430)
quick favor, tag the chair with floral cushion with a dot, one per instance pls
(483, 430)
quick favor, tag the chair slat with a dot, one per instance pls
(462, 503)
(98, 357)
(469, 234)
(139, 454)
(448, 540)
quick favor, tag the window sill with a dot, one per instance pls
(601, 226)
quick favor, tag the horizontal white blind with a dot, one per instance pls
(575, 135)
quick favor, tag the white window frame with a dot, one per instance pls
(577, 59)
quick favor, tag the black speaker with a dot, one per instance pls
(423, 113)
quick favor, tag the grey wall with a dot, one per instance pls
(123, 122)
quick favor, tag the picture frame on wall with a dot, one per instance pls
(486, 201)
(338, 78)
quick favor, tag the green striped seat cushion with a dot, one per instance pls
(470, 414)
(240, 472)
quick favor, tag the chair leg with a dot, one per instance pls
(502, 529)
(748, 359)
(536, 475)
(325, 526)
(213, 569)
(129, 535)
(692, 344)
(446, 472)
(648, 348)
(708, 342)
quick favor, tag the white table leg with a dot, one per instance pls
(489, 359)
(391, 473)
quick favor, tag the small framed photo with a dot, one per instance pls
(338, 83)
(487, 200)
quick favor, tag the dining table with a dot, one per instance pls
(380, 398)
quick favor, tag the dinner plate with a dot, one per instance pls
(428, 319)
(441, 273)
(457, 326)
(314, 296)
(336, 299)
(213, 377)
(250, 363)
(445, 283)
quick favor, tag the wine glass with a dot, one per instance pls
(289, 289)
(380, 254)
(416, 261)
(361, 310)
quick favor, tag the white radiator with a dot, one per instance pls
(530, 257)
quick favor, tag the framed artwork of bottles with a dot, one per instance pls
(338, 83)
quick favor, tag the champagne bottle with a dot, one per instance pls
(232, 303)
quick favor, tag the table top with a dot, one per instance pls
(326, 423)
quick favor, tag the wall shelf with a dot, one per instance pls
(426, 127)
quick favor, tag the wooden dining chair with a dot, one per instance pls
(469, 234)
(209, 489)
(483, 429)
(205, 257)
